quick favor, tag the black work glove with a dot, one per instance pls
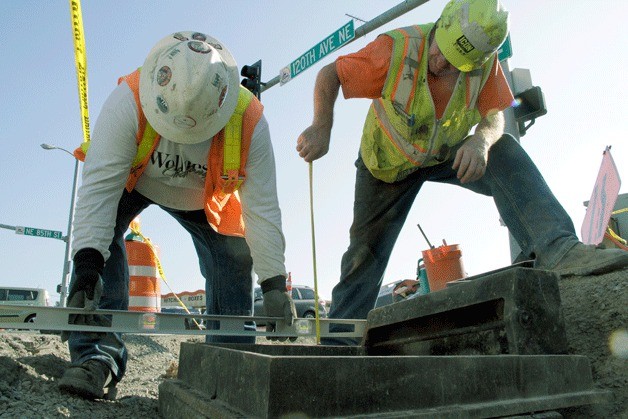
(277, 303)
(86, 289)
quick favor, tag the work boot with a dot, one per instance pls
(90, 380)
(585, 260)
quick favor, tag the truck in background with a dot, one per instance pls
(21, 296)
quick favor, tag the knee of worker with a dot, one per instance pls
(115, 294)
(235, 253)
(507, 154)
(114, 298)
(507, 164)
(356, 261)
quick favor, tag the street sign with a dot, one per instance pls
(602, 201)
(340, 37)
(505, 51)
(38, 232)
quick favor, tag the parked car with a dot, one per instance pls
(20, 296)
(304, 302)
(189, 322)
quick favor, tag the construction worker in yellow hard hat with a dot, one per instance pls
(430, 85)
(469, 33)
(180, 133)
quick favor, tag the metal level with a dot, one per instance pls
(57, 319)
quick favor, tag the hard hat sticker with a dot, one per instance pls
(223, 94)
(184, 121)
(164, 75)
(199, 36)
(464, 46)
(162, 104)
(199, 46)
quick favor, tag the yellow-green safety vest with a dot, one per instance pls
(401, 132)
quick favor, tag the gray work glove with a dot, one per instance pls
(86, 289)
(277, 303)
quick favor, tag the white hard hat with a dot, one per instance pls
(189, 86)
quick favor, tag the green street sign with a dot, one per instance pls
(328, 45)
(38, 232)
(505, 51)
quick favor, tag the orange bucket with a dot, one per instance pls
(144, 285)
(443, 264)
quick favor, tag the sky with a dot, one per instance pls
(575, 51)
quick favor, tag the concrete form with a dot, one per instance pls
(266, 381)
(510, 311)
(490, 346)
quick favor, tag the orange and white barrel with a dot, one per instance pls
(289, 283)
(144, 278)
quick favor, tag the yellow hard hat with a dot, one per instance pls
(470, 31)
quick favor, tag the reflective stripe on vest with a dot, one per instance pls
(233, 145)
(401, 132)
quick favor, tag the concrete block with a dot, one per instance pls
(510, 311)
(316, 381)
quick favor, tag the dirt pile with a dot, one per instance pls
(596, 319)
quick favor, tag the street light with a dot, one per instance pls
(67, 261)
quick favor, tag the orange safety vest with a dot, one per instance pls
(225, 165)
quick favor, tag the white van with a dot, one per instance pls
(17, 296)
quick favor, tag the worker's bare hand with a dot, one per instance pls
(471, 159)
(313, 143)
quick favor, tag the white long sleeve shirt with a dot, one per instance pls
(174, 178)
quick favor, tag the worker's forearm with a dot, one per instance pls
(491, 128)
(325, 95)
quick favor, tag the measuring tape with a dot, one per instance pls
(56, 319)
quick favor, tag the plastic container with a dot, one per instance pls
(443, 264)
(421, 276)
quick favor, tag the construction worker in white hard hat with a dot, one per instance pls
(430, 84)
(181, 133)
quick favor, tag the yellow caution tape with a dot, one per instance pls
(616, 236)
(610, 231)
(80, 58)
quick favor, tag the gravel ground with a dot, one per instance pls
(31, 362)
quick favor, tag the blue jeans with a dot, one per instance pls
(225, 263)
(525, 203)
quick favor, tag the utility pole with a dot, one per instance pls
(67, 261)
